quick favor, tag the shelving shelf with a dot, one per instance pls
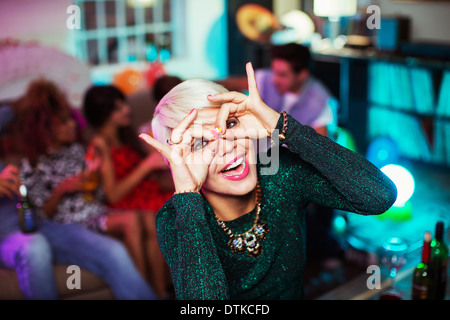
(413, 105)
(404, 98)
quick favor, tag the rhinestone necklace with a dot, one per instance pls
(248, 241)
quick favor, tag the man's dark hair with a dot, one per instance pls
(297, 55)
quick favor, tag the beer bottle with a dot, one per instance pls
(26, 211)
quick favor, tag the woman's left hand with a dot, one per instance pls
(263, 118)
(189, 167)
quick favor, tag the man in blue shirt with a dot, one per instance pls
(289, 85)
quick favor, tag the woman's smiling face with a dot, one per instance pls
(233, 169)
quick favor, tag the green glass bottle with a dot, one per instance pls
(423, 279)
(438, 260)
(27, 216)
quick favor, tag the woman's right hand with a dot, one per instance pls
(261, 119)
(189, 159)
(72, 184)
(9, 181)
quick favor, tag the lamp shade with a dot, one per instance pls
(141, 3)
(334, 8)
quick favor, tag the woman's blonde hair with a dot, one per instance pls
(179, 101)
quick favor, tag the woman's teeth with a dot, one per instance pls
(235, 164)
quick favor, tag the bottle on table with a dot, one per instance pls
(423, 278)
(26, 211)
(438, 262)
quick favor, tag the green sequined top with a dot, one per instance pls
(311, 168)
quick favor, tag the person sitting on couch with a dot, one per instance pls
(59, 242)
(28, 254)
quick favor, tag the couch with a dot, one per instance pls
(92, 287)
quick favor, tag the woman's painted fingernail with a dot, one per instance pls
(143, 136)
(192, 110)
(219, 130)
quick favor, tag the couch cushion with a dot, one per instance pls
(92, 287)
(89, 282)
(9, 285)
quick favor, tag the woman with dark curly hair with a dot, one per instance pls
(78, 230)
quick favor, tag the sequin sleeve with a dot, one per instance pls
(335, 176)
(187, 245)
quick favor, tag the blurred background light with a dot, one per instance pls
(404, 181)
(339, 224)
(141, 3)
(333, 8)
(152, 53)
(382, 151)
(298, 27)
(164, 55)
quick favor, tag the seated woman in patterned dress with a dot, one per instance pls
(81, 232)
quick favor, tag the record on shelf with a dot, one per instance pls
(23, 62)
(257, 23)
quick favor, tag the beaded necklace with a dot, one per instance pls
(249, 240)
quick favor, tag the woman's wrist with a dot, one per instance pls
(186, 187)
(270, 119)
(280, 128)
(186, 191)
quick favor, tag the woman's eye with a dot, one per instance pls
(200, 144)
(231, 123)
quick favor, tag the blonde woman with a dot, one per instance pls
(230, 231)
